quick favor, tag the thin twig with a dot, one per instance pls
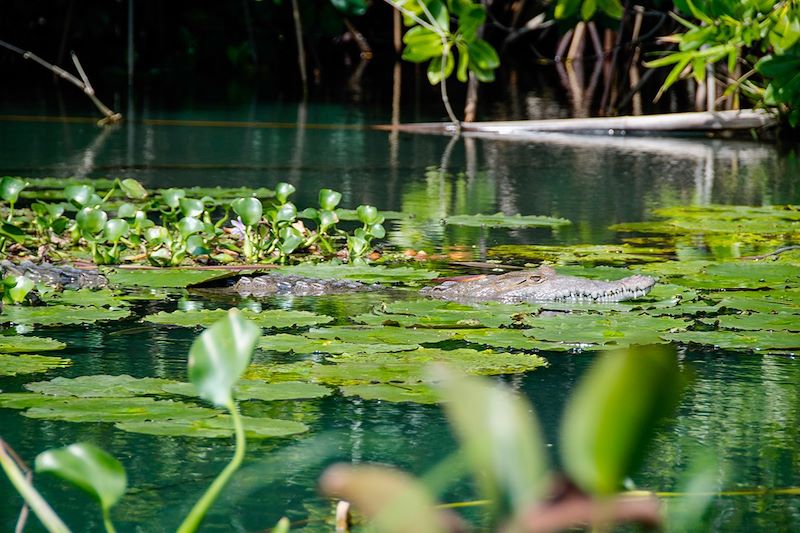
(110, 116)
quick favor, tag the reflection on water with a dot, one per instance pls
(741, 409)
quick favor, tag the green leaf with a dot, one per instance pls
(12, 365)
(463, 63)
(422, 44)
(115, 229)
(100, 386)
(51, 315)
(286, 213)
(133, 189)
(609, 418)
(565, 8)
(267, 318)
(290, 239)
(15, 289)
(189, 226)
(499, 220)
(329, 199)
(220, 355)
(10, 231)
(10, 188)
(79, 195)
(368, 214)
(89, 468)
(172, 197)
(163, 277)
(350, 7)
(612, 8)
(18, 344)
(216, 427)
(435, 68)
(91, 220)
(502, 441)
(283, 191)
(248, 209)
(191, 207)
(588, 9)
(483, 55)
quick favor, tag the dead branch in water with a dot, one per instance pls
(110, 117)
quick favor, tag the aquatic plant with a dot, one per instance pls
(172, 228)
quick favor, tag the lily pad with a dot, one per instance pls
(514, 339)
(90, 298)
(20, 344)
(786, 301)
(300, 344)
(100, 386)
(720, 219)
(382, 335)
(760, 341)
(758, 322)
(612, 329)
(444, 314)
(51, 315)
(365, 273)
(11, 365)
(270, 318)
(258, 390)
(117, 410)
(400, 367)
(390, 392)
(217, 427)
(584, 254)
(499, 220)
(163, 277)
(741, 275)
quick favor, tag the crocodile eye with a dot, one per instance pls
(532, 279)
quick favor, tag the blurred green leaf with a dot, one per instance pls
(609, 418)
(220, 355)
(10, 188)
(133, 189)
(89, 468)
(283, 191)
(248, 209)
(501, 439)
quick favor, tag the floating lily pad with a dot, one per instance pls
(51, 315)
(763, 341)
(117, 410)
(389, 392)
(499, 220)
(163, 277)
(217, 427)
(512, 338)
(742, 275)
(382, 335)
(259, 390)
(443, 314)
(23, 400)
(19, 344)
(617, 329)
(300, 344)
(400, 367)
(100, 386)
(365, 273)
(758, 322)
(11, 365)
(786, 301)
(585, 254)
(270, 318)
(720, 219)
(90, 298)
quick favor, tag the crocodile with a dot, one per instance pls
(289, 284)
(56, 276)
(542, 284)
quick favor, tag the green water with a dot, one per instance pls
(743, 409)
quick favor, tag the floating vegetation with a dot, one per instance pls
(382, 335)
(499, 220)
(12, 365)
(393, 392)
(300, 344)
(21, 344)
(360, 272)
(163, 277)
(71, 409)
(759, 341)
(268, 318)
(259, 390)
(51, 315)
(90, 298)
(611, 329)
(215, 427)
(773, 220)
(784, 301)
(444, 314)
(731, 275)
(581, 254)
(100, 386)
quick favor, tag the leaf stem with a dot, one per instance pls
(48, 517)
(195, 516)
(107, 521)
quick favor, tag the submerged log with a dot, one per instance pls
(717, 122)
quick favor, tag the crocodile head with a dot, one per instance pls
(542, 285)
